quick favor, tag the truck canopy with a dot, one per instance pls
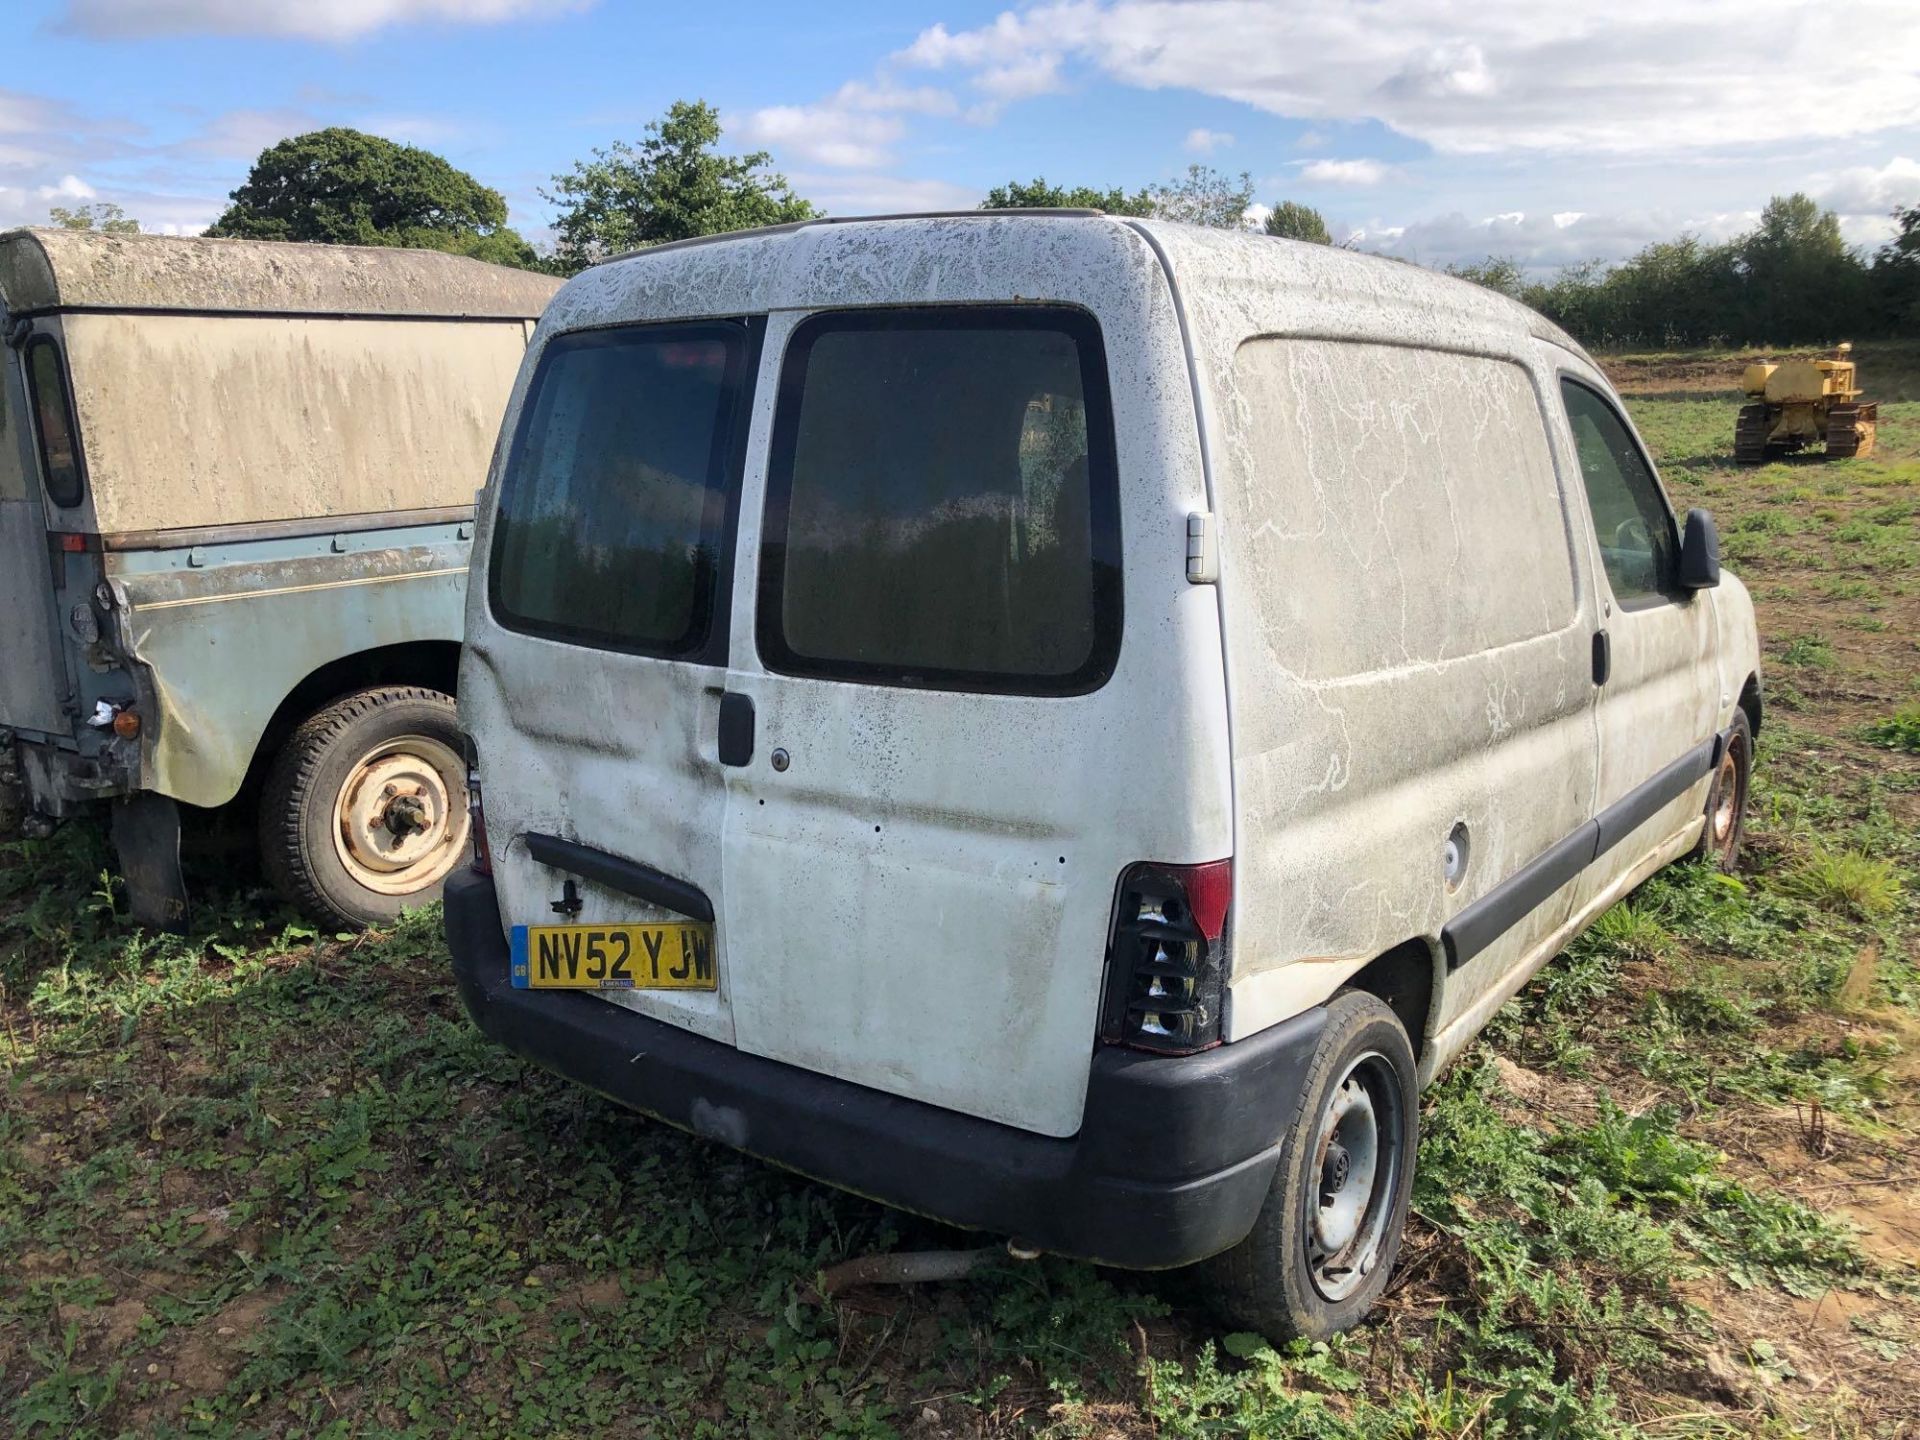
(86, 270)
(234, 382)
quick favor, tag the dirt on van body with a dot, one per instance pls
(258, 1180)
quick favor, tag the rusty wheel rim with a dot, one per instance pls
(1726, 799)
(400, 817)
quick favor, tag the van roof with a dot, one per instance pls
(1194, 255)
(44, 269)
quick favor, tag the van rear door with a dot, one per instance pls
(594, 675)
(32, 670)
(946, 777)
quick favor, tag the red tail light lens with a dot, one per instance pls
(482, 855)
(1167, 963)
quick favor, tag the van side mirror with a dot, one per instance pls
(1699, 552)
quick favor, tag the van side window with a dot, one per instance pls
(1638, 546)
(616, 491)
(1370, 485)
(53, 422)
(941, 502)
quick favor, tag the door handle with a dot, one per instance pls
(736, 728)
(1602, 657)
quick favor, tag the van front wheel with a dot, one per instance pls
(365, 808)
(1324, 1244)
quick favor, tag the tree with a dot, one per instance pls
(1896, 271)
(1205, 196)
(1202, 196)
(342, 187)
(1496, 272)
(1291, 220)
(107, 218)
(1037, 194)
(672, 186)
(1802, 281)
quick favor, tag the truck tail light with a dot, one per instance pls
(482, 855)
(1167, 961)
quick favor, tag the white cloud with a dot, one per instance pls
(1344, 172)
(853, 129)
(1202, 141)
(1543, 241)
(1865, 190)
(820, 134)
(68, 187)
(843, 194)
(243, 134)
(1638, 77)
(905, 99)
(300, 19)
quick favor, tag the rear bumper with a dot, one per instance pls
(62, 782)
(1171, 1165)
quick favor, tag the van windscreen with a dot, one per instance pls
(941, 502)
(618, 487)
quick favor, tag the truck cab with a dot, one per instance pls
(236, 499)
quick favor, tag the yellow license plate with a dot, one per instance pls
(613, 957)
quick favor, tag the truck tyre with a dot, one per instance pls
(365, 807)
(1324, 1244)
(1726, 823)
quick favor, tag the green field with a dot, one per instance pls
(257, 1180)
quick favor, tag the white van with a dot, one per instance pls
(1063, 724)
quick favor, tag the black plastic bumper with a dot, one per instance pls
(1171, 1165)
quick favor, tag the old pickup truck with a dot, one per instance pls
(236, 500)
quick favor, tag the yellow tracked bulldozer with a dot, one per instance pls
(1797, 403)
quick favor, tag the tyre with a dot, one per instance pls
(365, 807)
(1726, 823)
(1324, 1244)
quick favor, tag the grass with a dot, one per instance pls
(1900, 731)
(259, 1180)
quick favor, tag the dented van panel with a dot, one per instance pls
(223, 634)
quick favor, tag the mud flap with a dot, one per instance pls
(146, 834)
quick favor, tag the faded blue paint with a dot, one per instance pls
(224, 633)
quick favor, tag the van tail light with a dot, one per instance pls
(482, 855)
(1167, 962)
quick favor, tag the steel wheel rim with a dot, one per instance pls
(1354, 1176)
(400, 816)
(1726, 798)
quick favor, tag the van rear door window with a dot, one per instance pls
(941, 502)
(618, 489)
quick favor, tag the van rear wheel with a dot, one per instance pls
(365, 809)
(1323, 1247)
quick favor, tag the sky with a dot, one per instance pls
(1439, 130)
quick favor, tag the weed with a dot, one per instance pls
(1845, 880)
(1899, 731)
(1632, 934)
(1808, 651)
